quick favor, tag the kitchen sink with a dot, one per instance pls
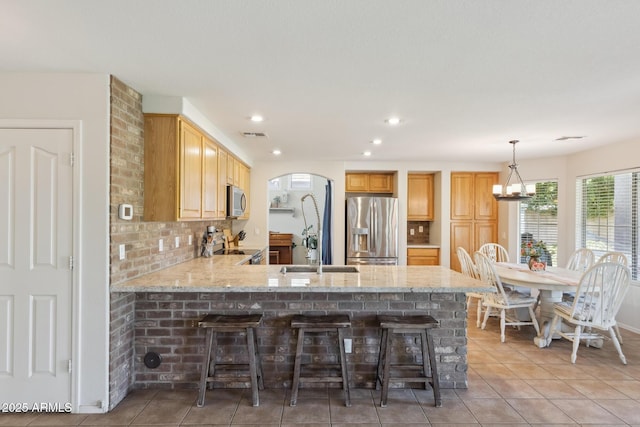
(314, 268)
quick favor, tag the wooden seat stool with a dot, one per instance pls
(399, 372)
(320, 324)
(212, 371)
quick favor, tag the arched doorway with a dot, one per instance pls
(288, 214)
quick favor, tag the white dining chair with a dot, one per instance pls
(503, 300)
(620, 258)
(599, 296)
(581, 260)
(469, 269)
(495, 252)
(614, 256)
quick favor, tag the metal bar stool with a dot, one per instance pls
(428, 373)
(214, 323)
(318, 324)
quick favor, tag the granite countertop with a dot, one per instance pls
(223, 274)
(423, 245)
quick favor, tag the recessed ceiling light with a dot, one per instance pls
(376, 141)
(366, 153)
(257, 118)
(393, 121)
(276, 152)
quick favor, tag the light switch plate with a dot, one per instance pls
(160, 245)
(177, 242)
(420, 229)
(412, 231)
(121, 250)
(190, 240)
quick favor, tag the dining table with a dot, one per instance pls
(551, 283)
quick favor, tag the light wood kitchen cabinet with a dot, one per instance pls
(222, 182)
(423, 256)
(244, 182)
(474, 212)
(185, 174)
(420, 197)
(173, 159)
(191, 165)
(232, 173)
(210, 189)
(360, 182)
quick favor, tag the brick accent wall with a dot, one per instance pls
(165, 323)
(140, 238)
(121, 336)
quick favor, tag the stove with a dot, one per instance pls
(256, 254)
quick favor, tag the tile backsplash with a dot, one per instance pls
(420, 232)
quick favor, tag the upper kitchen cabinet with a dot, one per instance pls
(182, 171)
(210, 189)
(222, 182)
(420, 197)
(362, 182)
(233, 175)
(472, 196)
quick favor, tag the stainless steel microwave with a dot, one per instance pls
(236, 201)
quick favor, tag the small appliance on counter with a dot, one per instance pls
(208, 242)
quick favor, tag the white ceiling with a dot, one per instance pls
(464, 76)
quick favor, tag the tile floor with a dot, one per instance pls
(510, 384)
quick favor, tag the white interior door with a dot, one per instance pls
(36, 237)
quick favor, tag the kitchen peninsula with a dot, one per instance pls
(168, 303)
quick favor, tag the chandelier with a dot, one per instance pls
(516, 191)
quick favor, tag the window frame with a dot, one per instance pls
(627, 197)
(550, 239)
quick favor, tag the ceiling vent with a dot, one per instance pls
(254, 134)
(566, 138)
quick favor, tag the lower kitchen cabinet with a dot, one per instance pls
(423, 256)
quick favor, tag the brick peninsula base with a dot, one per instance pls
(164, 324)
(157, 312)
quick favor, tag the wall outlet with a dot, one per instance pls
(420, 229)
(412, 231)
(177, 242)
(160, 245)
(190, 240)
(348, 345)
(122, 252)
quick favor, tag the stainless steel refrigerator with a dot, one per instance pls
(372, 230)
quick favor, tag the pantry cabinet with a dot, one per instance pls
(362, 182)
(185, 174)
(474, 212)
(420, 197)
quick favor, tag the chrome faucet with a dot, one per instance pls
(315, 205)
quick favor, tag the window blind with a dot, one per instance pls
(539, 220)
(607, 215)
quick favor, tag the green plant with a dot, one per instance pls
(309, 239)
